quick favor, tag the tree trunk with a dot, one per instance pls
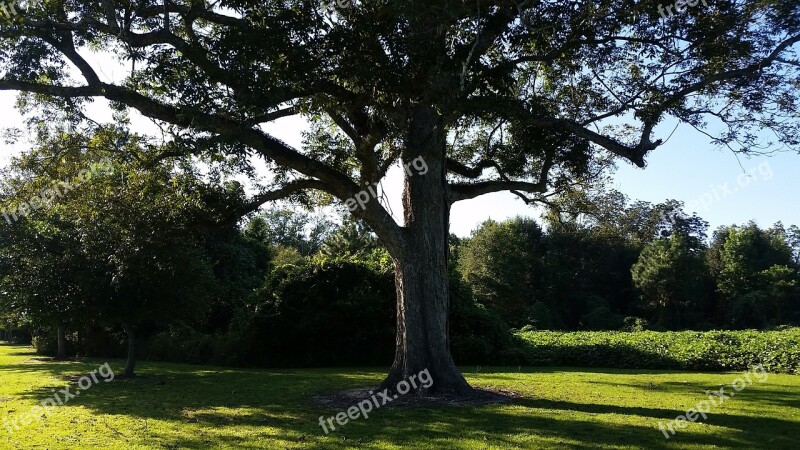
(61, 353)
(421, 273)
(129, 366)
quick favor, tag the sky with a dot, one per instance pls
(721, 187)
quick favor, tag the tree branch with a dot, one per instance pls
(466, 191)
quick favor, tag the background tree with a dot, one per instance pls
(120, 244)
(526, 97)
(240, 263)
(288, 228)
(352, 238)
(51, 279)
(672, 275)
(140, 223)
(753, 264)
(501, 262)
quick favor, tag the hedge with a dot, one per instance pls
(777, 351)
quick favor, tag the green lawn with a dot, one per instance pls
(180, 406)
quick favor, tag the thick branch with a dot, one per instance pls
(335, 182)
(289, 189)
(466, 191)
(470, 172)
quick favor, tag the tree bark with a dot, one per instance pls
(420, 263)
(131, 363)
(61, 353)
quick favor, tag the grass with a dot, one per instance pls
(181, 406)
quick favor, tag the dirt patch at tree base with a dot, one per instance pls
(351, 397)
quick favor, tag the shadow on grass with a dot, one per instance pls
(756, 392)
(273, 408)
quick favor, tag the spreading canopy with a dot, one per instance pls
(532, 94)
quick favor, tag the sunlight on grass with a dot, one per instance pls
(179, 406)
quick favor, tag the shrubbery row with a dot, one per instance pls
(777, 351)
(330, 312)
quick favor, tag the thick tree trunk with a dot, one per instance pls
(131, 363)
(421, 268)
(61, 353)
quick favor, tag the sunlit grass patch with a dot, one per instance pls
(181, 406)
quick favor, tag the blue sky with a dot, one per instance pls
(712, 182)
(720, 186)
(763, 188)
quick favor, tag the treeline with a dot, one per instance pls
(637, 267)
(148, 257)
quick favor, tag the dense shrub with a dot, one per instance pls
(601, 318)
(540, 317)
(45, 344)
(478, 335)
(328, 312)
(632, 323)
(181, 343)
(777, 351)
(332, 312)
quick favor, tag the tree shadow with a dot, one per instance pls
(208, 407)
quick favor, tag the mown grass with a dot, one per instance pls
(180, 406)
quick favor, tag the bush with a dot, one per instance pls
(601, 318)
(183, 344)
(777, 351)
(332, 312)
(478, 335)
(45, 344)
(322, 313)
(539, 317)
(635, 324)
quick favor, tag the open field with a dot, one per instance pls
(181, 406)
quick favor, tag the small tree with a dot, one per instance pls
(139, 224)
(51, 277)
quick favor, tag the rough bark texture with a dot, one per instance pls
(131, 363)
(61, 353)
(421, 268)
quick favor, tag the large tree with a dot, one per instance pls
(527, 96)
(110, 237)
